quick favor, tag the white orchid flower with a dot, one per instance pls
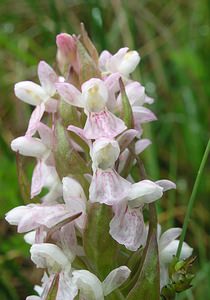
(168, 245)
(93, 98)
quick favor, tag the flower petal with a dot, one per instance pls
(29, 146)
(128, 228)
(166, 255)
(89, 285)
(35, 118)
(126, 138)
(14, 216)
(166, 184)
(37, 182)
(168, 236)
(30, 92)
(115, 279)
(47, 77)
(144, 191)
(46, 255)
(70, 94)
(141, 145)
(104, 153)
(95, 95)
(103, 124)
(108, 187)
(75, 200)
(67, 289)
(39, 214)
(142, 115)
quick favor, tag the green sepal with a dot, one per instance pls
(127, 114)
(68, 161)
(180, 278)
(148, 284)
(86, 41)
(88, 67)
(68, 114)
(99, 246)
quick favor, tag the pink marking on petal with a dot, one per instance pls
(108, 187)
(128, 228)
(103, 124)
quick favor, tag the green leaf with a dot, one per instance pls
(127, 114)
(88, 68)
(99, 246)
(68, 161)
(24, 183)
(88, 44)
(68, 114)
(147, 285)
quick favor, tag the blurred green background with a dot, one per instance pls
(173, 38)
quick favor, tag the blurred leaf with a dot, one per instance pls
(147, 285)
(68, 161)
(99, 246)
(88, 68)
(86, 41)
(127, 114)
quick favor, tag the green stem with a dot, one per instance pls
(192, 199)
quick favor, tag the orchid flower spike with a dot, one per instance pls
(93, 98)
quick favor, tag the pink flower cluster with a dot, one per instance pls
(53, 226)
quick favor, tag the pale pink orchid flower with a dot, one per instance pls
(47, 215)
(93, 98)
(66, 53)
(66, 289)
(91, 288)
(168, 245)
(127, 226)
(123, 62)
(83, 282)
(107, 186)
(51, 257)
(41, 149)
(39, 95)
